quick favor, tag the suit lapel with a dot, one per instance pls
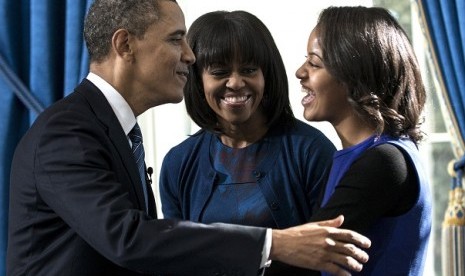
(116, 135)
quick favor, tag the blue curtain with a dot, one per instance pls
(42, 58)
(445, 26)
(445, 22)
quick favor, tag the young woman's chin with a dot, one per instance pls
(309, 115)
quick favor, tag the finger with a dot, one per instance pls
(336, 222)
(347, 255)
(347, 262)
(349, 236)
(348, 249)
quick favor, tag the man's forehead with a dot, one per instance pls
(171, 17)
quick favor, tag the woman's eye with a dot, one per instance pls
(218, 72)
(249, 69)
(312, 64)
(311, 61)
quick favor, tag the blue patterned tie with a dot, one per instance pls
(139, 155)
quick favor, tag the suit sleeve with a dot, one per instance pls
(81, 176)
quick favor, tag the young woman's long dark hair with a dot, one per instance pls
(367, 50)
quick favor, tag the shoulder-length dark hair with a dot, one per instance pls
(367, 50)
(223, 37)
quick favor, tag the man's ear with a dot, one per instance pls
(121, 44)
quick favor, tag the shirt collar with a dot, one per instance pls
(119, 105)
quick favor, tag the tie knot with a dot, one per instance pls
(135, 134)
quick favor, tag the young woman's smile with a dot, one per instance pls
(327, 97)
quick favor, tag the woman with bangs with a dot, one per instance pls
(252, 162)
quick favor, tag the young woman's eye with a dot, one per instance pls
(313, 62)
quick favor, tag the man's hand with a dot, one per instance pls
(321, 246)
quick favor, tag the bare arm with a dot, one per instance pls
(321, 246)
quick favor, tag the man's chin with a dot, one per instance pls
(174, 100)
(177, 100)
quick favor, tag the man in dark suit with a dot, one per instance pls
(77, 204)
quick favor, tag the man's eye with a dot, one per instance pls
(176, 39)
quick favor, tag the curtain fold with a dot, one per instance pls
(41, 44)
(445, 22)
(445, 28)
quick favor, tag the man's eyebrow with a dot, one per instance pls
(178, 32)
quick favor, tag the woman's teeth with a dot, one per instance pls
(309, 97)
(235, 99)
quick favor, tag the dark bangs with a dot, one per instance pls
(226, 43)
(224, 38)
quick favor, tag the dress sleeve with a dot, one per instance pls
(169, 195)
(380, 183)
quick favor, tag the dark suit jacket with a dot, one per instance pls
(76, 206)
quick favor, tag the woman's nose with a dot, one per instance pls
(300, 73)
(235, 82)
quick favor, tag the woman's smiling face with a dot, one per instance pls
(327, 98)
(234, 92)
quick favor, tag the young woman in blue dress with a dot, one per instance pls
(362, 76)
